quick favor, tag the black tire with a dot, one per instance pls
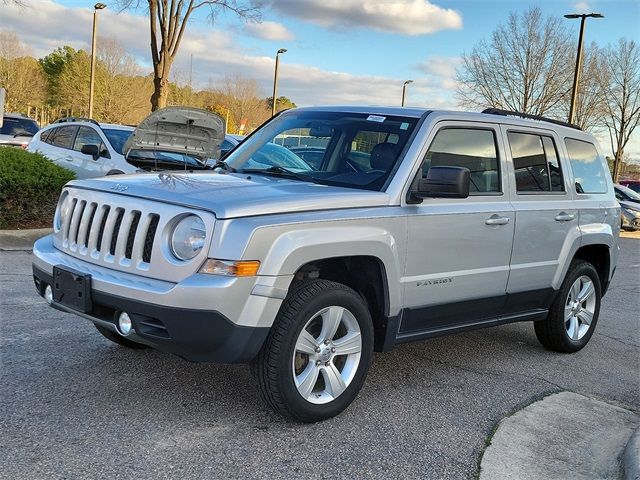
(552, 332)
(119, 339)
(273, 365)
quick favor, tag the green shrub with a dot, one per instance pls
(29, 188)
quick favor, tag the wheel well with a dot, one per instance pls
(364, 274)
(598, 256)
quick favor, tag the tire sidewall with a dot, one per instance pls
(579, 270)
(300, 407)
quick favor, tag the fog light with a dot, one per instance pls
(48, 294)
(124, 323)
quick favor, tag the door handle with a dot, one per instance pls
(496, 220)
(565, 217)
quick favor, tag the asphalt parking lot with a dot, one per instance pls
(73, 405)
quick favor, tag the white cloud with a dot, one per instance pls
(444, 67)
(407, 17)
(269, 31)
(216, 53)
(582, 7)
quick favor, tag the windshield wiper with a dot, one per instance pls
(224, 165)
(278, 171)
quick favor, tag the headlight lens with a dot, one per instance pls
(187, 238)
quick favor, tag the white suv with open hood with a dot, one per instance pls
(173, 138)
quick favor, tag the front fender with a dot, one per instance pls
(289, 250)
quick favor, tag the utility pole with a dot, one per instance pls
(96, 7)
(275, 82)
(576, 75)
(404, 89)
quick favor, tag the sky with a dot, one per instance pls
(338, 51)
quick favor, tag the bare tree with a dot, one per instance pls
(243, 99)
(168, 20)
(621, 90)
(523, 67)
(20, 74)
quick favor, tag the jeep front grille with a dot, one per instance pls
(125, 233)
(111, 233)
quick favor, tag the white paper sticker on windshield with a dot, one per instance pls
(376, 118)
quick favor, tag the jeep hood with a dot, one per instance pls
(234, 195)
(185, 130)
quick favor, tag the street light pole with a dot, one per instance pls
(404, 89)
(96, 7)
(576, 75)
(275, 82)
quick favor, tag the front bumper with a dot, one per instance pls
(203, 318)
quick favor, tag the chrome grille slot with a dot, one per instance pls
(124, 233)
(149, 237)
(116, 231)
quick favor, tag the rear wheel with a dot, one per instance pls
(574, 314)
(119, 339)
(318, 353)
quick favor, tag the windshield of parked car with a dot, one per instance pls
(334, 148)
(158, 160)
(117, 137)
(627, 192)
(21, 127)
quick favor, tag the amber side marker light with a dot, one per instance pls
(230, 268)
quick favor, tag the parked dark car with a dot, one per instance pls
(629, 207)
(632, 184)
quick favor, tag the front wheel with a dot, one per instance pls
(574, 314)
(318, 352)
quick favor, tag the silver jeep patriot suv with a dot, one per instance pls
(389, 225)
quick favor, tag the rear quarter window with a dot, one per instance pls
(587, 166)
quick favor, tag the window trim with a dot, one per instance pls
(498, 160)
(540, 135)
(573, 177)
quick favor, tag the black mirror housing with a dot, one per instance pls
(444, 182)
(92, 150)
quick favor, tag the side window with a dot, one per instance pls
(45, 135)
(587, 166)
(535, 162)
(88, 136)
(62, 136)
(474, 149)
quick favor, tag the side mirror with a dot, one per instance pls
(92, 150)
(444, 182)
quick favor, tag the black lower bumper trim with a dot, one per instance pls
(195, 335)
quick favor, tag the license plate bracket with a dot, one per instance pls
(72, 289)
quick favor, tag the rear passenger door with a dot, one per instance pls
(60, 142)
(458, 249)
(546, 222)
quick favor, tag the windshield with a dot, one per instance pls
(117, 137)
(334, 148)
(22, 127)
(627, 192)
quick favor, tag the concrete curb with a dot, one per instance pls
(631, 457)
(564, 435)
(21, 240)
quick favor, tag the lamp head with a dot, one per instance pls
(282, 50)
(407, 82)
(99, 6)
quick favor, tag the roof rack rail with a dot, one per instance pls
(497, 111)
(76, 119)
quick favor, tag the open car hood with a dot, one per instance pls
(190, 131)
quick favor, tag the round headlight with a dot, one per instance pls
(188, 237)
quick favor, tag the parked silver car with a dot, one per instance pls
(448, 221)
